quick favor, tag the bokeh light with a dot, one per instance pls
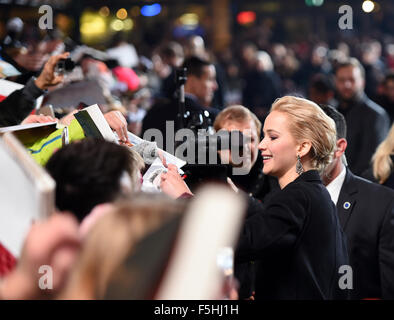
(368, 6)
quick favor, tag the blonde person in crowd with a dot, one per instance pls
(295, 239)
(383, 159)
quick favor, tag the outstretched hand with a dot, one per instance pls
(34, 118)
(118, 122)
(51, 243)
(172, 183)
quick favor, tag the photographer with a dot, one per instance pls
(199, 90)
(20, 103)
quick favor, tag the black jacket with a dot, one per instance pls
(367, 125)
(296, 241)
(368, 223)
(19, 104)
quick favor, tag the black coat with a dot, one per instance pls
(369, 226)
(367, 125)
(18, 105)
(296, 242)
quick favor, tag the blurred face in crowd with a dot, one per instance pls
(389, 90)
(248, 129)
(203, 87)
(320, 97)
(278, 148)
(349, 82)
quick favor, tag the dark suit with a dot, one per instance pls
(296, 242)
(367, 125)
(368, 223)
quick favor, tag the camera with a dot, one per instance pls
(64, 66)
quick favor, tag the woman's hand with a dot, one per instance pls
(33, 118)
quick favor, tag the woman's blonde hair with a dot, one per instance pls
(309, 122)
(112, 239)
(382, 164)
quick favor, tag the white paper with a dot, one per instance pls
(151, 178)
(170, 159)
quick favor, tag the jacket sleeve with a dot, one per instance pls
(18, 105)
(43, 149)
(386, 254)
(276, 227)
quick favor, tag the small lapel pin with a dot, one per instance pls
(346, 205)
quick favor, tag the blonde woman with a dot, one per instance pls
(295, 239)
(383, 161)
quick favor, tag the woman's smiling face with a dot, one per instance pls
(278, 148)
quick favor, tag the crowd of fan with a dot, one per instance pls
(135, 92)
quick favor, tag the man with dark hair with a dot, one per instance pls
(90, 172)
(172, 55)
(387, 98)
(367, 123)
(321, 89)
(199, 90)
(366, 214)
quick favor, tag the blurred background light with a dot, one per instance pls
(92, 24)
(151, 10)
(104, 11)
(317, 3)
(189, 20)
(314, 3)
(246, 17)
(117, 25)
(135, 11)
(368, 6)
(121, 14)
(128, 24)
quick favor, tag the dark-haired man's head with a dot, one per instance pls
(321, 89)
(201, 80)
(90, 172)
(349, 78)
(336, 165)
(389, 86)
(339, 119)
(172, 54)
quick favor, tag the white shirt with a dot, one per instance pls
(335, 186)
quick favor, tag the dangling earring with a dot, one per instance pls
(299, 168)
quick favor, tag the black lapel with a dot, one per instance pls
(347, 199)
